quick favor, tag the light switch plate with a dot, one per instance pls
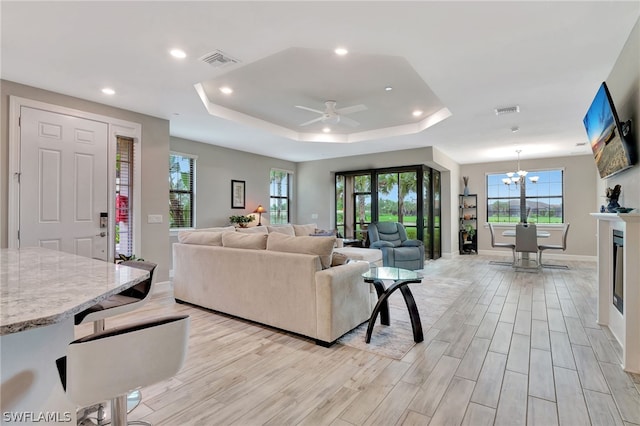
(154, 218)
(314, 216)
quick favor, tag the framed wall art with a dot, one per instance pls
(237, 194)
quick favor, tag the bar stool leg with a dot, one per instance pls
(119, 411)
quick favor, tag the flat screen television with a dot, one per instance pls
(607, 135)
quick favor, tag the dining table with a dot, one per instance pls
(525, 255)
(41, 291)
(539, 233)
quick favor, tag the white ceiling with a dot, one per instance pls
(469, 57)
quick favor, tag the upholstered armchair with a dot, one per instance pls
(397, 250)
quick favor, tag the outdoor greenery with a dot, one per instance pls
(279, 197)
(180, 191)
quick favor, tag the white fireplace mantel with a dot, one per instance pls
(625, 327)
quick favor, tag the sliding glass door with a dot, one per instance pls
(390, 195)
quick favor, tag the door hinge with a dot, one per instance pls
(20, 121)
(17, 174)
(18, 234)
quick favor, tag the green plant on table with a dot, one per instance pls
(241, 220)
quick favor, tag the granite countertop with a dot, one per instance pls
(39, 287)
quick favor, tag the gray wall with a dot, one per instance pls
(215, 168)
(624, 85)
(316, 184)
(580, 189)
(155, 171)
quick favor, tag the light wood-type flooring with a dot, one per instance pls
(516, 348)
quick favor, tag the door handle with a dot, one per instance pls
(102, 234)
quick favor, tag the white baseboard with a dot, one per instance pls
(546, 255)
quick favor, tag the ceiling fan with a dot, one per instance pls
(333, 115)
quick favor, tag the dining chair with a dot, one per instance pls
(563, 247)
(527, 241)
(495, 244)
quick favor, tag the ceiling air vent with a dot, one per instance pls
(507, 110)
(218, 59)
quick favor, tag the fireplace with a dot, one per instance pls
(618, 268)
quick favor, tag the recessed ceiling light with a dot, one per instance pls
(177, 53)
(226, 90)
(341, 51)
(388, 88)
(108, 91)
(515, 129)
(417, 113)
(326, 130)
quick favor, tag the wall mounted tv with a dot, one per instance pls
(608, 136)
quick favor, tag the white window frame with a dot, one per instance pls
(174, 231)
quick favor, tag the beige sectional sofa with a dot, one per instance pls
(275, 279)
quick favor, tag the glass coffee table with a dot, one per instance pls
(401, 279)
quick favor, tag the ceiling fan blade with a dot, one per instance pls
(348, 121)
(351, 109)
(315, 120)
(309, 109)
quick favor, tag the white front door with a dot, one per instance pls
(63, 183)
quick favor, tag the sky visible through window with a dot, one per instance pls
(544, 199)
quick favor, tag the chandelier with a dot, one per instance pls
(519, 176)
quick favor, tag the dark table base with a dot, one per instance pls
(382, 307)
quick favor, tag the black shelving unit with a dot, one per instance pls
(468, 212)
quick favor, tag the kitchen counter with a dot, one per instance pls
(40, 292)
(39, 287)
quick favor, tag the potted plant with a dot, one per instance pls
(470, 230)
(240, 220)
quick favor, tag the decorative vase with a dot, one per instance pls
(466, 191)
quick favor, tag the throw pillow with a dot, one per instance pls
(200, 237)
(320, 246)
(253, 230)
(244, 241)
(338, 259)
(305, 230)
(323, 233)
(283, 229)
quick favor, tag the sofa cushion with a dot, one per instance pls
(244, 241)
(372, 256)
(321, 246)
(253, 230)
(304, 230)
(204, 238)
(283, 229)
(215, 229)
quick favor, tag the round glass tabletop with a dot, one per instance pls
(390, 273)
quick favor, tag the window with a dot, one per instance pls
(544, 199)
(124, 197)
(279, 196)
(181, 190)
